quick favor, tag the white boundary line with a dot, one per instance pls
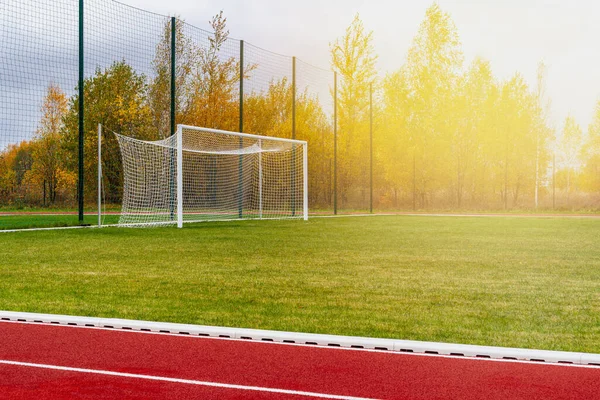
(55, 228)
(548, 216)
(335, 341)
(178, 380)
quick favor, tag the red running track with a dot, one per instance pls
(191, 367)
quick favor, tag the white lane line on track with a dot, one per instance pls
(182, 381)
(313, 346)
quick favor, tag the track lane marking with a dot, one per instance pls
(183, 381)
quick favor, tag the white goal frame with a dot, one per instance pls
(179, 147)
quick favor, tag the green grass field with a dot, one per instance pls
(519, 282)
(50, 221)
(57, 217)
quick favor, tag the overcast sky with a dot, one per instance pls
(514, 35)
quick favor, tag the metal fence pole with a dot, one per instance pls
(241, 116)
(293, 97)
(335, 143)
(241, 141)
(99, 175)
(293, 166)
(173, 72)
(371, 148)
(81, 114)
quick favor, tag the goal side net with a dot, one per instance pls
(202, 174)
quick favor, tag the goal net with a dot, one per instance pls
(202, 174)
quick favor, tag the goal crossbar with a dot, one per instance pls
(242, 134)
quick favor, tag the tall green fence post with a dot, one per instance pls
(81, 114)
(293, 169)
(335, 143)
(371, 147)
(241, 158)
(293, 97)
(173, 71)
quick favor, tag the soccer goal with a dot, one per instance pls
(202, 174)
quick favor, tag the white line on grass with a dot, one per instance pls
(54, 228)
(183, 381)
(574, 216)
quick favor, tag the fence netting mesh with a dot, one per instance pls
(221, 83)
(38, 77)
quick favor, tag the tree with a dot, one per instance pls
(159, 95)
(15, 163)
(211, 93)
(353, 57)
(433, 66)
(47, 162)
(543, 132)
(590, 155)
(313, 126)
(206, 80)
(395, 139)
(270, 113)
(116, 97)
(471, 105)
(570, 148)
(485, 96)
(517, 140)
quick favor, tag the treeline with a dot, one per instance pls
(43, 171)
(450, 136)
(445, 135)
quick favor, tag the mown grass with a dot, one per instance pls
(25, 221)
(40, 217)
(519, 282)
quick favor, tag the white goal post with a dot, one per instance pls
(202, 174)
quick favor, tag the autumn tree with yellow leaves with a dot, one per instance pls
(590, 155)
(353, 57)
(117, 98)
(449, 137)
(446, 135)
(48, 169)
